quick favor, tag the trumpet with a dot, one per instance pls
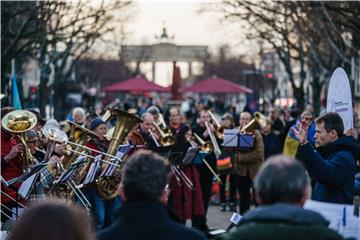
(219, 130)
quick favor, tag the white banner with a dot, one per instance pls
(339, 97)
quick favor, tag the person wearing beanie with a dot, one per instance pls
(96, 122)
(101, 209)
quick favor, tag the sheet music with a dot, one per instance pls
(231, 137)
(26, 175)
(94, 168)
(4, 181)
(68, 174)
(27, 185)
(340, 216)
(21, 212)
(190, 155)
(122, 151)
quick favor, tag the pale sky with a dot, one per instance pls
(180, 17)
(182, 20)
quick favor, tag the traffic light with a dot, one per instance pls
(269, 76)
(33, 90)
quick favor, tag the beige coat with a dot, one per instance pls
(249, 162)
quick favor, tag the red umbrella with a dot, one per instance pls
(217, 85)
(136, 84)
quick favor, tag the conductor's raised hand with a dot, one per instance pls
(302, 132)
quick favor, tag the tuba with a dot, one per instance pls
(18, 122)
(125, 122)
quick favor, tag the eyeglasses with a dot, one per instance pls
(308, 119)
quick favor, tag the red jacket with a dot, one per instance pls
(11, 169)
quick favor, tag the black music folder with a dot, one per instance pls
(35, 169)
(190, 155)
(68, 174)
(163, 151)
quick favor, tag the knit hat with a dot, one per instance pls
(96, 122)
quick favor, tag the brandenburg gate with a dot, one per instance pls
(164, 51)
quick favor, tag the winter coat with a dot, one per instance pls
(11, 169)
(282, 221)
(333, 168)
(249, 162)
(271, 145)
(146, 220)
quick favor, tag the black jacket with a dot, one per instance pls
(146, 220)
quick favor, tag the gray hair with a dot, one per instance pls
(145, 176)
(143, 116)
(281, 179)
(78, 109)
(154, 110)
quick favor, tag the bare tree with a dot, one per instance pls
(63, 31)
(315, 36)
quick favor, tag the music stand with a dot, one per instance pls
(199, 157)
(163, 151)
(67, 175)
(231, 138)
(190, 155)
(35, 169)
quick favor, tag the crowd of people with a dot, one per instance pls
(157, 192)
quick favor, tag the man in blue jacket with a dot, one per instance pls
(143, 215)
(332, 165)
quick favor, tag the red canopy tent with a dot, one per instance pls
(217, 85)
(136, 84)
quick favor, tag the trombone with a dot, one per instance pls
(206, 146)
(259, 119)
(219, 130)
(166, 139)
(217, 150)
(59, 136)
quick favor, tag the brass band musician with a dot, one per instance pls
(185, 202)
(102, 209)
(206, 176)
(248, 163)
(144, 133)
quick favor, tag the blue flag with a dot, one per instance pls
(15, 94)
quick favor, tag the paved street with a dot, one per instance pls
(217, 219)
